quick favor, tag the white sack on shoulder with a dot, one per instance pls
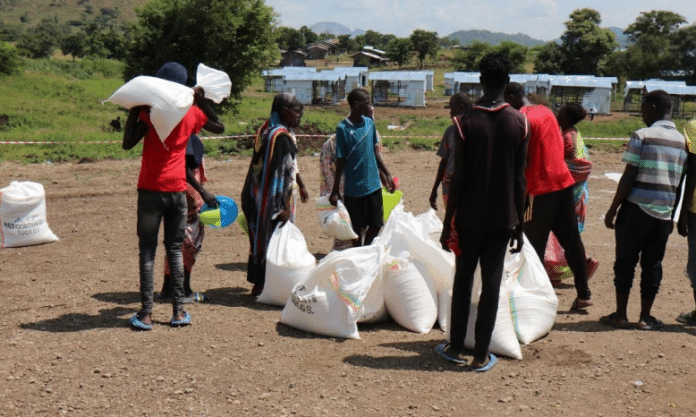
(215, 83)
(169, 101)
(329, 302)
(288, 262)
(334, 220)
(23, 215)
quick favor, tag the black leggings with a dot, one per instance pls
(488, 248)
(555, 212)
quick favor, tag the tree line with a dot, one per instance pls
(241, 37)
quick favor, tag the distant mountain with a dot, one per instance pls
(467, 37)
(331, 27)
(335, 29)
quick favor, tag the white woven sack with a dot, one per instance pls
(288, 262)
(373, 309)
(503, 340)
(409, 299)
(215, 83)
(23, 215)
(169, 101)
(334, 220)
(533, 302)
(329, 301)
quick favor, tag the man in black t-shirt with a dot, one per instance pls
(485, 207)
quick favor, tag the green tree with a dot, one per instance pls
(548, 59)
(685, 51)
(652, 50)
(289, 39)
(399, 50)
(9, 59)
(308, 35)
(235, 36)
(468, 59)
(74, 45)
(584, 43)
(425, 44)
(41, 40)
(515, 52)
(370, 38)
(348, 44)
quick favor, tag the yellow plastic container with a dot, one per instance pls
(390, 200)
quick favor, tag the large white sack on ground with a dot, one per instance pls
(411, 302)
(334, 220)
(503, 340)
(288, 262)
(374, 309)
(215, 83)
(330, 300)
(404, 232)
(23, 215)
(533, 302)
(169, 101)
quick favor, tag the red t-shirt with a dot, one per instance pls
(546, 170)
(164, 165)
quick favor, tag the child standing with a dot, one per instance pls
(162, 192)
(647, 195)
(357, 157)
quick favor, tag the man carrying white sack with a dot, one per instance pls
(485, 207)
(162, 192)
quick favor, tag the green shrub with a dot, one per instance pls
(10, 62)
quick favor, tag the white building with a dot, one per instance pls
(403, 88)
(356, 77)
(593, 93)
(325, 87)
(274, 79)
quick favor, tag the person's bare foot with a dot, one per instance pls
(480, 364)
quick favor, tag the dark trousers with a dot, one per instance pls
(639, 236)
(555, 212)
(489, 248)
(153, 207)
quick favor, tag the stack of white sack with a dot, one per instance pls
(330, 301)
(169, 101)
(408, 275)
(23, 215)
(288, 262)
(527, 302)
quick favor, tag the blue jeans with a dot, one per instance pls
(639, 236)
(152, 208)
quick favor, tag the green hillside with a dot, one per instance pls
(14, 12)
(466, 37)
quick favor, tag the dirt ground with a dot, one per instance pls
(67, 349)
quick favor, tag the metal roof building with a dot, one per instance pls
(274, 78)
(407, 88)
(678, 90)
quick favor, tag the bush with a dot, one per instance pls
(9, 59)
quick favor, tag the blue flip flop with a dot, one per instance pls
(183, 322)
(137, 324)
(492, 360)
(440, 350)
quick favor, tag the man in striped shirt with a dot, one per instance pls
(647, 195)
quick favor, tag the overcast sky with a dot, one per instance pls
(540, 19)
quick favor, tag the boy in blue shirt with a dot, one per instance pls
(357, 158)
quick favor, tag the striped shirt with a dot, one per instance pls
(659, 153)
